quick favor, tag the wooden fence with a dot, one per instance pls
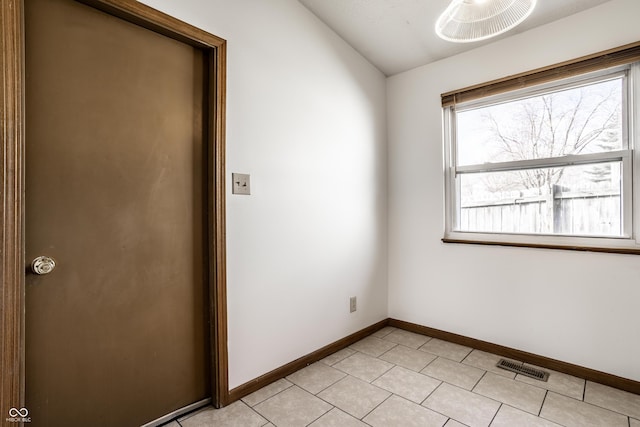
(563, 213)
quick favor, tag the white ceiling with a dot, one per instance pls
(398, 35)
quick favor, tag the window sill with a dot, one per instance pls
(611, 250)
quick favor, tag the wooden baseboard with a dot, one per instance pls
(523, 356)
(281, 372)
(534, 359)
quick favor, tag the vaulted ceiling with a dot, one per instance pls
(398, 35)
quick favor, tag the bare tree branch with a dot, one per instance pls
(550, 126)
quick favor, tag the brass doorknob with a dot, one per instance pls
(43, 265)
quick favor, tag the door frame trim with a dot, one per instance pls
(12, 164)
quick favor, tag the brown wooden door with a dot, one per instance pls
(117, 334)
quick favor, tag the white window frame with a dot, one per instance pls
(629, 156)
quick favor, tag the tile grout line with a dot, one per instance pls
(433, 410)
(455, 385)
(330, 385)
(479, 379)
(436, 358)
(444, 415)
(383, 374)
(561, 393)
(544, 399)
(331, 404)
(467, 356)
(386, 352)
(320, 391)
(338, 361)
(594, 405)
(335, 407)
(405, 345)
(390, 332)
(325, 413)
(495, 415)
(590, 404)
(377, 406)
(606, 409)
(429, 395)
(258, 413)
(264, 400)
(368, 355)
(478, 382)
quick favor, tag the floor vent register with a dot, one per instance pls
(519, 368)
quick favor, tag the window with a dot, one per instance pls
(549, 164)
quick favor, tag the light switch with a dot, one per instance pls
(241, 183)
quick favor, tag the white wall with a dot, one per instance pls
(577, 307)
(306, 118)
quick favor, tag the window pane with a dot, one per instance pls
(580, 120)
(573, 200)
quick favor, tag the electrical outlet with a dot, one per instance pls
(352, 304)
(241, 184)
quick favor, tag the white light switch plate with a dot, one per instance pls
(241, 183)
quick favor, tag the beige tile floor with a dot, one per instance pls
(396, 378)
